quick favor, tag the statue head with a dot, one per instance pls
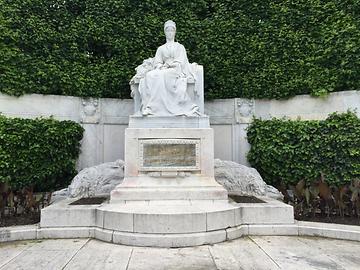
(170, 29)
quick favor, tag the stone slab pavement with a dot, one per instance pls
(253, 252)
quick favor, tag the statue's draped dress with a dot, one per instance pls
(163, 91)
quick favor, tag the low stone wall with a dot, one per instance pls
(105, 120)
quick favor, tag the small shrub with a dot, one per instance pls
(287, 151)
(38, 153)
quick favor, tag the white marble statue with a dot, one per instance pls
(163, 80)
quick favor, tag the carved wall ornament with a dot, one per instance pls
(90, 111)
(245, 109)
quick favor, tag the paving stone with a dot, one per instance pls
(9, 251)
(345, 253)
(197, 258)
(99, 255)
(241, 254)
(253, 252)
(291, 253)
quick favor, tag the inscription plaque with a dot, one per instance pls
(169, 155)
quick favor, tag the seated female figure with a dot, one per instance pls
(163, 89)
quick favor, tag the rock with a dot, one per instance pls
(93, 181)
(242, 180)
(97, 180)
(274, 193)
(101, 179)
(59, 195)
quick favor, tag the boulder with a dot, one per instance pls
(93, 181)
(242, 180)
(101, 179)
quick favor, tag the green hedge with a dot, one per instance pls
(40, 153)
(291, 150)
(253, 49)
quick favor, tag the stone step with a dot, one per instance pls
(121, 194)
(162, 218)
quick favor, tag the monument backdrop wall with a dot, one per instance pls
(105, 120)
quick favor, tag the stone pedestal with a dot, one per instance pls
(168, 164)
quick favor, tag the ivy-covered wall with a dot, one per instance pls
(287, 151)
(252, 49)
(39, 153)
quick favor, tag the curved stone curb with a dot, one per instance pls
(33, 232)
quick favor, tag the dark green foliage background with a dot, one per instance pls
(38, 152)
(291, 150)
(253, 49)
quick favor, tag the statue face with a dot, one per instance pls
(170, 32)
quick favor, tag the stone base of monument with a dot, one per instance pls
(138, 121)
(168, 198)
(176, 223)
(168, 164)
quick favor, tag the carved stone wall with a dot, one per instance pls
(105, 120)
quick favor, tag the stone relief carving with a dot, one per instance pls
(245, 109)
(90, 111)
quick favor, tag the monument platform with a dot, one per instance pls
(164, 223)
(169, 196)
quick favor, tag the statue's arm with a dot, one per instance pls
(158, 60)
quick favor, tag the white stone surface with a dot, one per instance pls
(186, 239)
(242, 180)
(216, 220)
(260, 253)
(336, 231)
(270, 212)
(116, 220)
(169, 240)
(278, 229)
(138, 184)
(101, 179)
(97, 180)
(169, 122)
(174, 259)
(51, 254)
(65, 232)
(291, 253)
(103, 235)
(345, 253)
(237, 232)
(98, 255)
(9, 251)
(228, 117)
(18, 233)
(62, 214)
(160, 86)
(170, 223)
(241, 254)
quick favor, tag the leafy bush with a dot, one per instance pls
(253, 49)
(38, 153)
(286, 151)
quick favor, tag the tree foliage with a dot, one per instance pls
(252, 49)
